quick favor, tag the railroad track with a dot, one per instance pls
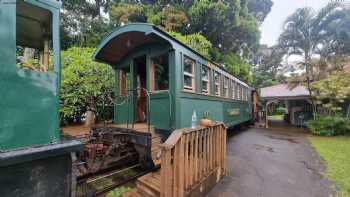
(104, 182)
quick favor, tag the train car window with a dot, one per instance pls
(189, 74)
(160, 73)
(205, 79)
(246, 94)
(243, 93)
(34, 49)
(225, 87)
(236, 90)
(124, 81)
(240, 92)
(233, 89)
(217, 85)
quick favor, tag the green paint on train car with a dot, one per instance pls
(29, 99)
(171, 108)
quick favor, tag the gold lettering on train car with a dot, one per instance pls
(234, 112)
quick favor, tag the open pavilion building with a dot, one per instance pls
(296, 99)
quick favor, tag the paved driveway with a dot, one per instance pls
(272, 163)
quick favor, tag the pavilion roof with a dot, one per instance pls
(284, 91)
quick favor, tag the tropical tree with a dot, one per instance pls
(267, 65)
(306, 34)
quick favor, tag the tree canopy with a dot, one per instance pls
(225, 30)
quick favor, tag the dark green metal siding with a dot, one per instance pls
(29, 99)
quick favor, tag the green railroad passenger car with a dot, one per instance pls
(34, 160)
(162, 81)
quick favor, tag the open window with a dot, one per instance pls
(34, 33)
(124, 81)
(205, 80)
(189, 74)
(159, 73)
(217, 83)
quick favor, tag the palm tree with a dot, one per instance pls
(307, 33)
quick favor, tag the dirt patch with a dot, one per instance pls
(291, 140)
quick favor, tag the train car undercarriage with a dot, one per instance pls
(113, 151)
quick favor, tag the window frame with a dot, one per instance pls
(208, 81)
(217, 84)
(226, 86)
(192, 75)
(153, 72)
(53, 43)
(233, 89)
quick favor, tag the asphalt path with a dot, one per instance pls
(272, 163)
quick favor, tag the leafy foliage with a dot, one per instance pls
(196, 41)
(329, 125)
(332, 91)
(306, 33)
(83, 24)
(267, 66)
(309, 34)
(230, 27)
(237, 66)
(85, 84)
(118, 192)
(127, 13)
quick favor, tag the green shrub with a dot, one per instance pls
(280, 111)
(329, 125)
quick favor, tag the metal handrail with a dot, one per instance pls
(148, 93)
(131, 94)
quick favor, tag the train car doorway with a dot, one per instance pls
(141, 97)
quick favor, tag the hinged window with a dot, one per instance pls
(160, 73)
(205, 79)
(226, 87)
(189, 74)
(233, 89)
(217, 83)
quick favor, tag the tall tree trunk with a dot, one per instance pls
(309, 74)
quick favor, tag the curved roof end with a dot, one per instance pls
(125, 39)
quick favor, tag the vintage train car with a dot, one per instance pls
(163, 82)
(34, 160)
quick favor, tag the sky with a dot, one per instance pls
(281, 9)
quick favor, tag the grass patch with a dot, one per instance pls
(276, 117)
(118, 192)
(336, 153)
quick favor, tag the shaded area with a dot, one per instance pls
(274, 162)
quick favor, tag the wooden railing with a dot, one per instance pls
(190, 157)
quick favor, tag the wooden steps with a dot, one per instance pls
(155, 150)
(146, 186)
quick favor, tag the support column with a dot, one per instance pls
(266, 111)
(46, 55)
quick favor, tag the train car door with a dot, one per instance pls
(140, 97)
